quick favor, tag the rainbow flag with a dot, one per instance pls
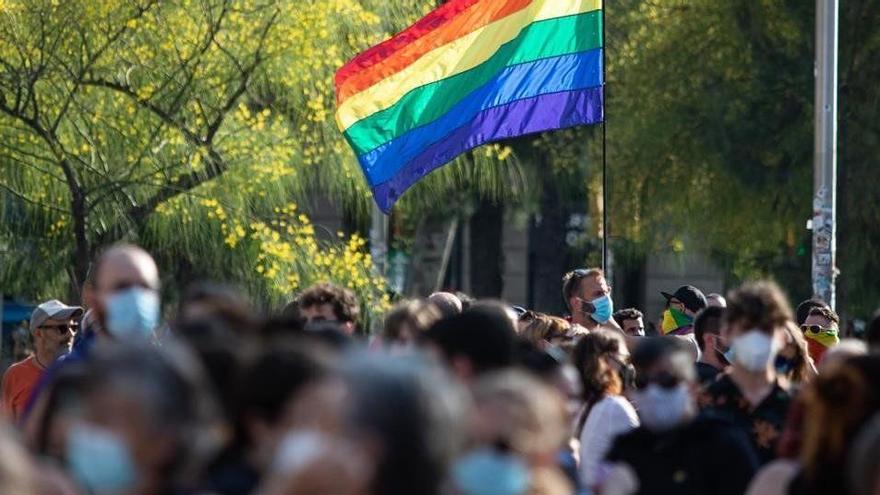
(469, 73)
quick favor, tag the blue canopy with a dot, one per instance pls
(14, 312)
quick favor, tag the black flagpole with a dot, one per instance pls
(604, 152)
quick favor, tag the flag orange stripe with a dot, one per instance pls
(466, 22)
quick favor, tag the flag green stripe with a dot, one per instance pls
(423, 105)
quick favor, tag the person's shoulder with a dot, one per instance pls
(20, 367)
(722, 384)
(615, 403)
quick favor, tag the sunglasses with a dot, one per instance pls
(62, 328)
(816, 329)
(664, 380)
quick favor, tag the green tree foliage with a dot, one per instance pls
(711, 141)
(187, 126)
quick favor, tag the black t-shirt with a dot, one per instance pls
(706, 456)
(706, 373)
(764, 423)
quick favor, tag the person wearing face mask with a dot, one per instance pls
(145, 423)
(588, 297)
(675, 450)
(602, 360)
(750, 394)
(127, 295)
(682, 307)
(707, 331)
(519, 426)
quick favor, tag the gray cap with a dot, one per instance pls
(53, 310)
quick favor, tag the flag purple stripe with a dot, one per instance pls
(541, 113)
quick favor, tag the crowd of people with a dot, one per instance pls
(450, 396)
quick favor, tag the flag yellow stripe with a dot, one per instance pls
(454, 58)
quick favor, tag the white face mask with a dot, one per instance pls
(754, 350)
(663, 408)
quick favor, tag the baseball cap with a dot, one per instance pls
(692, 297)
(53, 310)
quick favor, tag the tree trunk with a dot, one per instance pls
(548, 249)
(487, 257)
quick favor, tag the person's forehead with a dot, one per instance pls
(125, 269)
(817, 320)
(633, 322)
(593, 282)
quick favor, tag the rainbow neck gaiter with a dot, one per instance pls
(818, 343)
(675, 322)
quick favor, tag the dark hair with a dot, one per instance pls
(483, 334)
(447, 303)
(219, 301)
(826, 312)
(707, 321)
(761, 305)
(627, 314)
(344, 303)
(170, 387)
(651, 350)
(571, 282)
(804, 308)
(270, 381)
(466, 300)
(414, 412)
(872, 333)
(543, 364)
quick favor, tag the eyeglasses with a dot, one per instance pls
(816, 329)
(62, 328)
(664, 380)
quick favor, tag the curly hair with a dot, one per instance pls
(761, 305)
(344, 303)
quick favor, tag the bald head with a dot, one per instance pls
(119, 269)
(125, 266)
(448, 304)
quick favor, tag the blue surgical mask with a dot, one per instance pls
(99, 460)
(487, 472)
(603, 309)
(133, 313)
(729, 355)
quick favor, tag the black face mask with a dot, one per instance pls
(783, 365)
(627, 373)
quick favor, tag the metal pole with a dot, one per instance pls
(604, 152)
(825, 146)
(379, 240)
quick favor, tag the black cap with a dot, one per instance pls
(692, 297)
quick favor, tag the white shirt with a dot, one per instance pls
(610, 417)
